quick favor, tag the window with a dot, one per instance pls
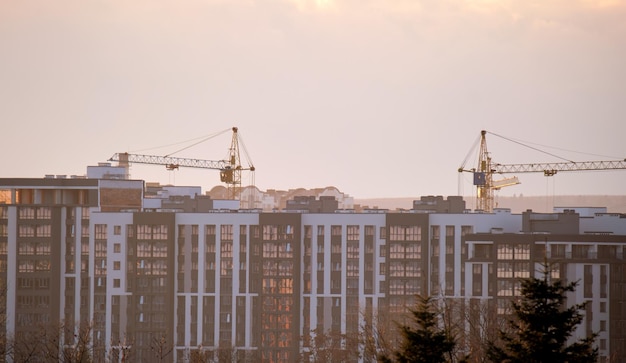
(226, 249)
(434, 232)
(449, 247)
(482, 251)
(101, 249)
(227, 267)
(521, 251)
(353, 233)
(396, 233)
(557, 250)
(116, 265)
(413, 251)
(335, 231)
(396, 250)
(159, 232)
(116, 282)
(505, 252)
(43, 249)
(505, 288)
(521, 269)
(43, 283)
(320, 247)
(226, 232)
(413, 233)
(210, 247)
(117, 248)
(26, 231)
(26, 266)
(44, 230)
(117, 230)
(26, 213)
(505, 269)
(466, 230)
(26, 248)
(353, 249)
(44, 213)
(144, 232)
(352, 268)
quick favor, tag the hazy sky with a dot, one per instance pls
(379, 98)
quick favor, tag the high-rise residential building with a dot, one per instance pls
(50, 266)
(178, 277)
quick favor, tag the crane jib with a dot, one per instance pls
(169, 160)
(552, 168)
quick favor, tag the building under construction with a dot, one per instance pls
(180, 277)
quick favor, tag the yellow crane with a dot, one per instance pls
(230, 168)
(483, 173)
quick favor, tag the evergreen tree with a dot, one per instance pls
(541, 326)
(425, 341)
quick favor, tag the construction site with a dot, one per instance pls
(174, 274)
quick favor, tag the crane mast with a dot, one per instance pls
(483, 177)
(231, 175)
(230, 169)
(483, 174)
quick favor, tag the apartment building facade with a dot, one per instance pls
(219, 283)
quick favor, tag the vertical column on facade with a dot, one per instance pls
(11, 281)
(308, 282)
(362, 273)
(208, 286)
(201, 292)
(235, 251)
(457, 260)
(343, 279)
(218, 287)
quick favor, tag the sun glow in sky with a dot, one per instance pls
(314, 4)
(378, 98)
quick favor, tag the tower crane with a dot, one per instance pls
(483, 174)
(230, 168)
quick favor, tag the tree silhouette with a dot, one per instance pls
(160, 347)
(541, 326)
(424, 341)
(70, 343)
(331, 346)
